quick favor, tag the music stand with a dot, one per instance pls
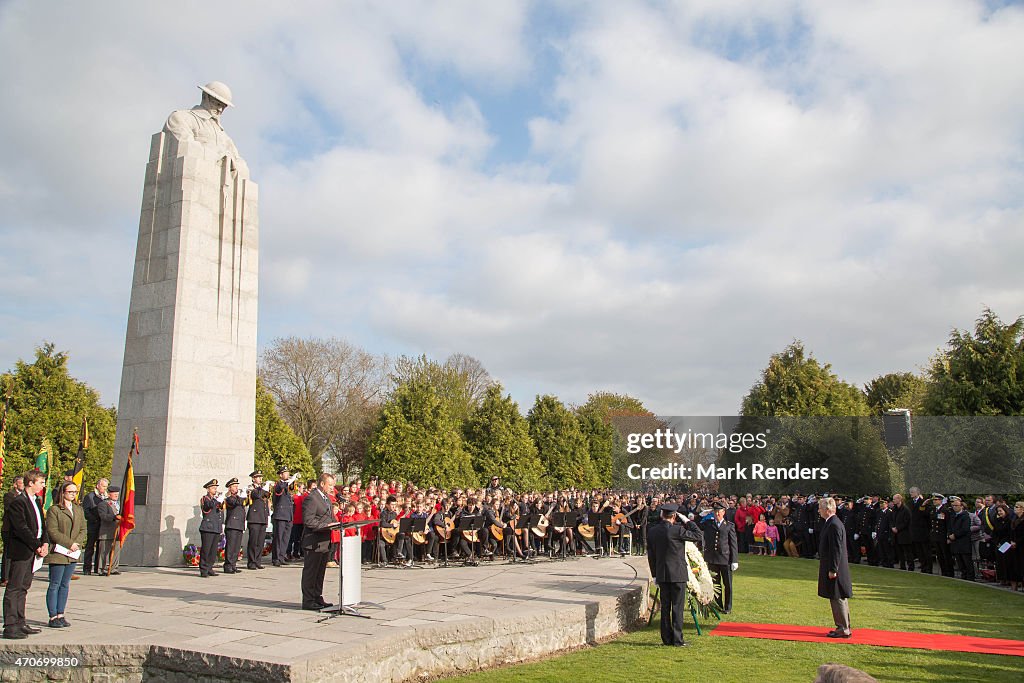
(442, 542)
(606, 521)
(341, 609)
(523, 524)
(471, 523)
(566, 520)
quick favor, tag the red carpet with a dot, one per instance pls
(868, 636)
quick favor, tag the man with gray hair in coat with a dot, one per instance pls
(834, 580)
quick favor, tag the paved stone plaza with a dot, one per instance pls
(168, 624)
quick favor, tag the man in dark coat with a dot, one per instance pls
(284, 507)
(960, 539)
(666, 557)
(16, 489)
(833, 568)
(317, 519)
(902, 533)
(234, 526)
(256, 518)
(90, 506)
(920, 523)
(881, 535)
(721, 552)
(210, 528)
(27, 541)
(939, 530)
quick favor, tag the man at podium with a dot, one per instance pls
(316, 542)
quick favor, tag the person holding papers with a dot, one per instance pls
(67, 529)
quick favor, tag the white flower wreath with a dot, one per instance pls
(699, 582)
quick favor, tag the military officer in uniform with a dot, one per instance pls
(210, 528)
(940, 520)
(666, 557)
(920, 521)
(721, 552)
(284, 509)
(234, 526)
(256, 517)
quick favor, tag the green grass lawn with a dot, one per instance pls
(782, 590)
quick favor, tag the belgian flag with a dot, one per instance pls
(78, 472)
(128, 494)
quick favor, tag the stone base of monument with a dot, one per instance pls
(170, 625)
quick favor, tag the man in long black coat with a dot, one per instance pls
(833, 568)
(902, 533)
(317, 518)
(960, 539)
(666, 557)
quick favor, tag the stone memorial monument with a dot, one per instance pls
(188, 382)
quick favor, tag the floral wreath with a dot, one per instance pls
(699, 583)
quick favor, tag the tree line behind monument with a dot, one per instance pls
(324, 403)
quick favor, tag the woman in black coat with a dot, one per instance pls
(1000, 535)
(1015, 555)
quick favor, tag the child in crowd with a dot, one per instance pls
(771, 535)
(760, 528)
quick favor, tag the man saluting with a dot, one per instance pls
(666, 557)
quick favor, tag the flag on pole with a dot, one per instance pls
(3, 433)
(78, 472)
(44, 463)
(128, 494)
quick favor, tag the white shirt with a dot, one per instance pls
(39, 517)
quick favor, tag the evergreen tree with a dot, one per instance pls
(46, 401)
(980, 374)
(498, 440)
(601, 441)
(896, 390)
(418, 440)
(562, 447)
(796, 384)
(276, 444)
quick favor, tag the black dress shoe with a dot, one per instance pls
(252, 566)
(324, 604)
(277, 564)
(313, 607)
(838, 634)
(14, 635)
(30, 630)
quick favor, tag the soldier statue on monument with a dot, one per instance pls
(202, 124)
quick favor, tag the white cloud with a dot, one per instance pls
(705, 182)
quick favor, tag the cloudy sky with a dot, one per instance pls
(647, 198)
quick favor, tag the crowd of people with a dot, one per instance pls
(974, 539)
(405, 524)
(970, 538)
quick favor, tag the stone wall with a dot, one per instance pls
(430, 651)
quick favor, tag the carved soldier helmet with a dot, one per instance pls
(218, 91)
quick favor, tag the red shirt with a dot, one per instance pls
(297, 514)
(741, 519)
(346, 519)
